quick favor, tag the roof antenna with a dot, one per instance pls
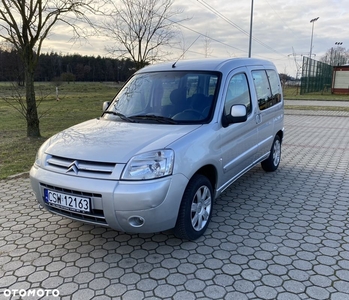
(174, 64)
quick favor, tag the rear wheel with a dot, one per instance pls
(273, 161)
(196, 209)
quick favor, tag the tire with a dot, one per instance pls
(196, 209)
(273, 161)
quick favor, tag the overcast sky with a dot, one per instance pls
(281, 30)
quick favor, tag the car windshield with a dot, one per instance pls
(166, 97)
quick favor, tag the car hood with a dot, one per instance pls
(110, 141)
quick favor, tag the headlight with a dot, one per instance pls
(40, 155)
(149, 165)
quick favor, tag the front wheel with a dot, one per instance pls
(273, 161)
(196, 209)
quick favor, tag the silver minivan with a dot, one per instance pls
(171, 141)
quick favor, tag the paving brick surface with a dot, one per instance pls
(281, 235)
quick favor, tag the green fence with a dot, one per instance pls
(316, 76)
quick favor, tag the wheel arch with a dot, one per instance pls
(280, 133)
(210, 172)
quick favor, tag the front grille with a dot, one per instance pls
(96, 216)
(82, 168)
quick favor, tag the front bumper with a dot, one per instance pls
(129, 206)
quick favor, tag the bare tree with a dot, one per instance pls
(336, 56)
(140, 28)
(25, 24)
(15, 98)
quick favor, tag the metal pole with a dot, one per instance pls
(312, 32)
(251, 21)
(309, 65)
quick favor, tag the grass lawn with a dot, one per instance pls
(292, 93)
(77, 102)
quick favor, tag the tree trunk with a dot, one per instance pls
(33, 129)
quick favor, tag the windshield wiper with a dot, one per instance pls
(120, 115)
(160, 119)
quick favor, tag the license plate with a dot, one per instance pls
(67, 201)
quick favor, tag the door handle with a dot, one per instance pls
(258, 118)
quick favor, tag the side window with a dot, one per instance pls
(275, 86)
(268, 88)
(238, 93)
(261, 84)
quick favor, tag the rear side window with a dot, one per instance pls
(267, 87)
(275, 86)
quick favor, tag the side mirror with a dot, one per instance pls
(238, 114)
(105, 105)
